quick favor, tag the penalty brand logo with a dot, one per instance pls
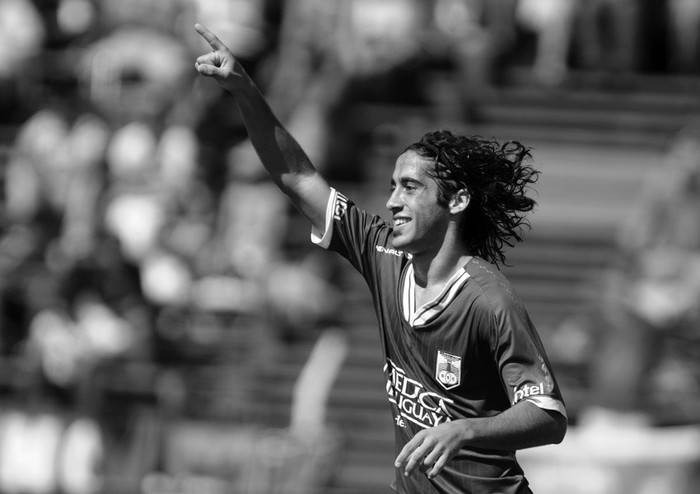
(448, 370)
(387, 250)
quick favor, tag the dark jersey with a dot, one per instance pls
(471, 352)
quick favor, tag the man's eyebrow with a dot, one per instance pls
(410, 180)
(406, 181)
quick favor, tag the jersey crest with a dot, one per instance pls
(448, 370)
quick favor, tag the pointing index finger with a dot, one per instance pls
(210, 37)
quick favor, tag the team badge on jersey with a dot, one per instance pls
(448, 370)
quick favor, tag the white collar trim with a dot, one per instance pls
(419, 316)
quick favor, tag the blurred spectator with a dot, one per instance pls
(683, 36)
(647, 325)
(609, 37)
(76, 18)
(302, 296)
(22, 36)
(26, 285)
(333, 54)
(133, 210)
(252, 248)
(53, 183)
(74, 304)
(476, 38)
(468, 44)
(123, 85)
(242, 23)
(164, 16)
(376, 36)
(552, 22)
(98, 314)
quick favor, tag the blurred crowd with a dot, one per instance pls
(136, 222)
(132, 208)
(642, 334)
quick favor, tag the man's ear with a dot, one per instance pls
(459, 201)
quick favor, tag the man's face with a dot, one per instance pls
(420, 222)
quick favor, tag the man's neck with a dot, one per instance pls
(434, 271)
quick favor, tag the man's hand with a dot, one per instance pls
(220, 64)
(431, 449)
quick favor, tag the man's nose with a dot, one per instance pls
(393, 202)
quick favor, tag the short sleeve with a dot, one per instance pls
(525, 370)
(351, 232)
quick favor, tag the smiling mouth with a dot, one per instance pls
(400, 221)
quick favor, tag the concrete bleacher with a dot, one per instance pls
(594, 146)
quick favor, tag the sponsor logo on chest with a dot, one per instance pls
(413, 401)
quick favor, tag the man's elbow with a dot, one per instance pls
(559, 426)
(553, 426)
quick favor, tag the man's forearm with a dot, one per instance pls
(524, 425)
(284, 159)
(279, 152)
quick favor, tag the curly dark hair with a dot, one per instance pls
(496, 177)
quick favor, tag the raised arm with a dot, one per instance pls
(283, 158)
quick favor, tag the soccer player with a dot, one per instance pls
(468, 379)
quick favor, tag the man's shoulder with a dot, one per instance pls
(493, 286)
(486, 274)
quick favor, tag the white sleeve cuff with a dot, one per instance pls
(548, 403)
(323, 238)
